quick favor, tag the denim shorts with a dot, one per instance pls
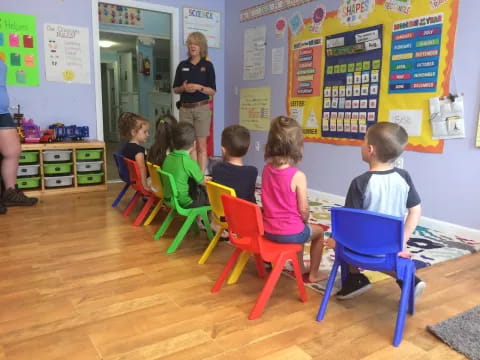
(6, 121)
(300, 238)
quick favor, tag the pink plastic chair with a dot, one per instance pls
(245, 228)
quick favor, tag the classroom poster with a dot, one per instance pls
(416, 45)
(19, 48)
(353, 63)
(205, 21)
(411, 106)
(254, 53)
(67, 53)
(255, 108)
(119, 15)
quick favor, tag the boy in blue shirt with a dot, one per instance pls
(383, 189)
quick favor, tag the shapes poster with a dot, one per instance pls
(19, 48)
(67, 53)
(119, 15)
(351, 85)
(431, 42)
(415, 54)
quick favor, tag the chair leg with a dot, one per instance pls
(328, 291)
(402, 309)
(181, 234)
(141, 215)
(208, 251)
(154, 213)
(206, 222)
(226, 270)
(411, 298)
(237, 271)
(132, 203)
(121, 194)
(267, 289)
(260, 266)
(298, 277)
(166, 223)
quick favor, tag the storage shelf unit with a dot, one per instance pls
(73, 146)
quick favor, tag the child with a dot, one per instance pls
(284, 194)
(188, 176)
(384, 189)
(134, 128)
(163, 139)
(231, 172)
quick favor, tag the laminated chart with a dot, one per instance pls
(351, 86)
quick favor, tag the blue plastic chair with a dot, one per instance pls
(123, 173)
(371, 241)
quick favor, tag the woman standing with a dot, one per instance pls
(10, 149)
(195, 82)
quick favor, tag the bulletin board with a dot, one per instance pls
(19, 48)
(403, 53)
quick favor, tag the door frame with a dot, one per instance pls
(174, 48)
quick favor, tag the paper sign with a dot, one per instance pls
(255, 108)
(280, 26)
(410, 120)
(278, 55)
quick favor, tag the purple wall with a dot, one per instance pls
(75, 103)
(448, 183)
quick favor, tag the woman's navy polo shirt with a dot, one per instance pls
(202, 73)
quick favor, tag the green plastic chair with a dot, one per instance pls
(171, 199)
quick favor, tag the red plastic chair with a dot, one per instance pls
(136, 184)
(245, 228)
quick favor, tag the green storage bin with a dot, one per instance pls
(28, 157)
(28, 182)
(90, 179)
(55, 169)
(89, 154)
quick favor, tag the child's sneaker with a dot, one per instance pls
(16, 197)
(355, 284)
(420, 286)
(3, 208)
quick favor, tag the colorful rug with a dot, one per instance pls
(430, 243)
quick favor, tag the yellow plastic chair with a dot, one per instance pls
(215, 191)
(157, 189)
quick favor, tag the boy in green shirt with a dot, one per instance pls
(186, 172)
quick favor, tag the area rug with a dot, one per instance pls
(461, 332)
(429, 245)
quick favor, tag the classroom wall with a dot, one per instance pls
(75, 103)
(448, 183)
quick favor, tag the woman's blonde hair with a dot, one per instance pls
(199, 39)
(285, 142)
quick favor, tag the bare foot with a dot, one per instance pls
(314, 279)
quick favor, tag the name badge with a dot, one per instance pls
(186, 69)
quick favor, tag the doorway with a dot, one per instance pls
(136, 55)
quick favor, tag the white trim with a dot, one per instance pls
(174, 43)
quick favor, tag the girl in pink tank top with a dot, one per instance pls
(284, 195)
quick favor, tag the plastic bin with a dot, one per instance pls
(28, 170)
(28, 157)
(89, 166)
(89, 154)
(57, 181)
(58, 168)
(28, 183)
(90, 179)
(57, 155)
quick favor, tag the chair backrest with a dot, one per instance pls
(367, 232)
(135, 177)
(215, 192)
(245, 222)
(122, 167)
(170, 193)
(157, 186)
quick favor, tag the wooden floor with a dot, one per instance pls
(78, 281)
